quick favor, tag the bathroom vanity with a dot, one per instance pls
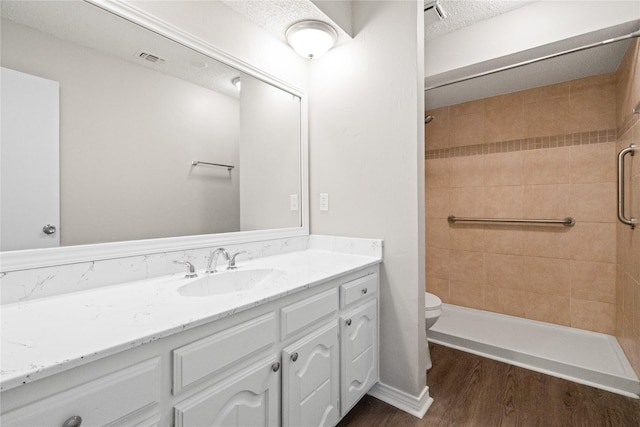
(297, 346)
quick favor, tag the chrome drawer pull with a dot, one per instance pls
(74, 421)
(294, 356)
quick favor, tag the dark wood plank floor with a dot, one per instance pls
(472, 391)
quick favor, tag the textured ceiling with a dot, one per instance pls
(276, 16)
(462, 13)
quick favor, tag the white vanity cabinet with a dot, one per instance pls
(303, 359)
(124, 397)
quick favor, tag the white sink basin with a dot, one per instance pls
(227, 282)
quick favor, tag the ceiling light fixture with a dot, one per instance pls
(311, 39)
(237, 83)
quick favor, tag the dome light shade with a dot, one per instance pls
(311, 39)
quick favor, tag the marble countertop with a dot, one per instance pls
(49, 335)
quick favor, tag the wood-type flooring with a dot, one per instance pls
(472, 391)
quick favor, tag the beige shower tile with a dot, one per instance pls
(547, 275)
(552, 241)
(502, 102)
(504, 239)
(466, 266)
(437, 202)
(504, 124)
(550, 201)
(547, 166)
(437, 133)
(634, 259)
(593, 163)
(628, 296)
(467, 294)
(548, 308)
(466, 171)
(630, 344)
(636, 307)
(505, 301)
(467, 108)
(594, 281)
(595, 202)
(593, 241)
(504, 271)
(437, 233)
(467, 201)
(437, 263)
(548, 117)
(503, 202)
(593, 102)
(593, 316)
(466, 237)
(504, 169)
(543, 93)
(466, 130)
(438, 287)
(436, 173)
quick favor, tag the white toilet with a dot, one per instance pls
(432, 312)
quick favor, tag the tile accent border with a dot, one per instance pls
(580, 138)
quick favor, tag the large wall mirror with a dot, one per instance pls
(146, 137)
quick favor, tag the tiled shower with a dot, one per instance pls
(547, 152)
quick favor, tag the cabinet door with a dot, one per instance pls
(310, 395)
(358, 353)
(249, 398)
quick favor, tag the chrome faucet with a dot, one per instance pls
(192, 270)
(213, 259)
(232, 260)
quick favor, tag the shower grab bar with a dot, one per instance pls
(567, 222)
(197, 162)
(631, 221)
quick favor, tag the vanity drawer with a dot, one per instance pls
(130, 396)
(358, 289)
(208, 356)
(298, 316)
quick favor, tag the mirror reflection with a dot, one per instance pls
(103, 120)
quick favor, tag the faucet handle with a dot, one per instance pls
(191, 269)
(232, 260)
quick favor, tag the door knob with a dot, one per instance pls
(294, 356)
(49, 229)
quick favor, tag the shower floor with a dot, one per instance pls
(574, 354)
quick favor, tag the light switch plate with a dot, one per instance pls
(293, 199)
(324, 201)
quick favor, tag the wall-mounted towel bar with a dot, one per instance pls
(631, 221)
(567, 222)
(197, 162)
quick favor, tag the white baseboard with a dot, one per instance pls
(416, 406)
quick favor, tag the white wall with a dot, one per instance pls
(367, 151)
(528, 27)
(269, 156)
(127, 138)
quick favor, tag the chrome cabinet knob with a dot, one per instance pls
(275, 367)
(74, 421)
(49, 229)
(294, 356)
(348, 322)
(364, 291)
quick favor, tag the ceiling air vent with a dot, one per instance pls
(150, 57)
